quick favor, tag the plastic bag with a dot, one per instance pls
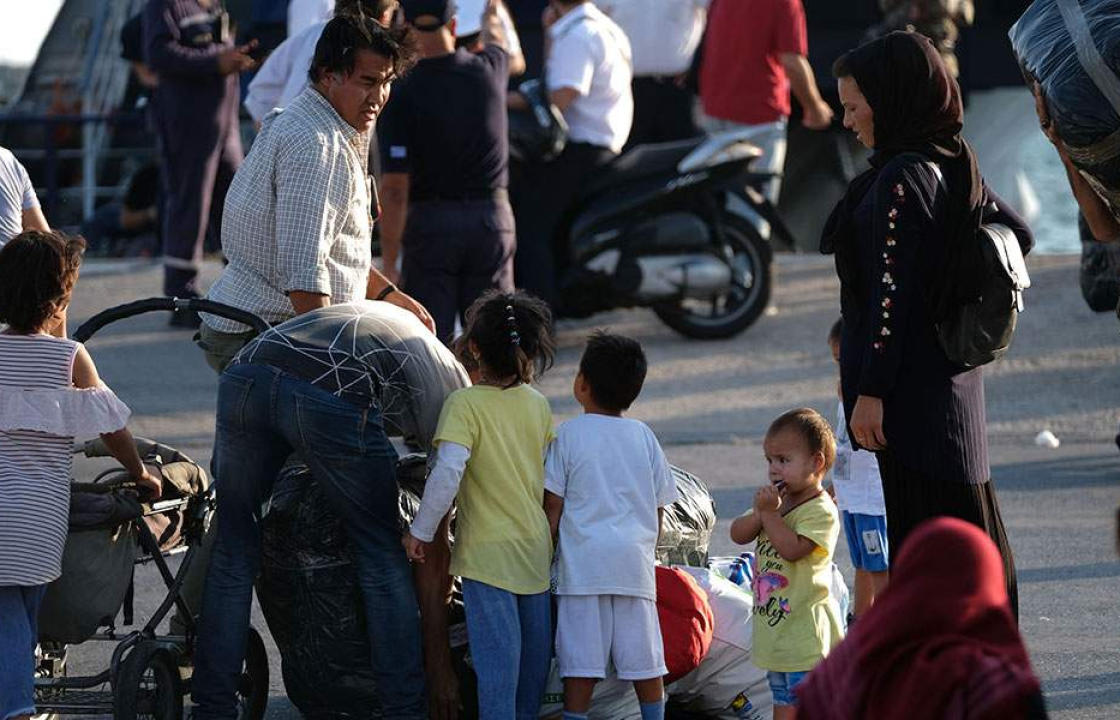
(688, 524)
(1072, 51)
(309, 594)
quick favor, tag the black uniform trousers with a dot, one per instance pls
(662, 111)
(455, 250)
(543, 194)
(198, 167)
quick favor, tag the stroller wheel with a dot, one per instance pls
(252, 689)
(148, 685)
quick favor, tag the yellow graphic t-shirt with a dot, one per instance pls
(795, 622)
(501, 532)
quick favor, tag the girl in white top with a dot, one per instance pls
(50, 393)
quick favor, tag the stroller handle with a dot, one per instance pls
(139, 307)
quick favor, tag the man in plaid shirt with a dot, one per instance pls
(299, 212)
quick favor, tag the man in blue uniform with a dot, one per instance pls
(187, 42)
(445, 158)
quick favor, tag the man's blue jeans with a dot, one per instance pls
(511, 648)
(263, 416)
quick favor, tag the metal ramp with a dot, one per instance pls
(59, 127)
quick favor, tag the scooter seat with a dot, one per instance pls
(643, 161)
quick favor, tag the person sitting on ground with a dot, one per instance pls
(491, 443)
(606, 485)
(129, 226)
(941, 643)
(796, 526)
(859, 497)
(50, 393)
(299, 212)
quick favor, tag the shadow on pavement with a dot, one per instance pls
(1066, 473)
(1082, 692)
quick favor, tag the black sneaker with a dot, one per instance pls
(188, 319)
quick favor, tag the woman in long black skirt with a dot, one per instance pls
(895, 235)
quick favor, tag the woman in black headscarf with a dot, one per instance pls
(898, 236)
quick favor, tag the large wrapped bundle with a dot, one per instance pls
(1071, 51)
(309, 594)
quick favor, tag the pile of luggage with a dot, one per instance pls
(310, 598)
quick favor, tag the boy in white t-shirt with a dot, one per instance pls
(863, 513)
(606, 482)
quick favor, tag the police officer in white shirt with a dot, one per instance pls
(588, 74)
(664, 36)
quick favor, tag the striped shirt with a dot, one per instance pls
(40, 413)
(297, 215)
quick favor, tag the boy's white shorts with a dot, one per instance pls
(592, 629)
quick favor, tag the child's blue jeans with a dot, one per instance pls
(19, 632)
(511, 647)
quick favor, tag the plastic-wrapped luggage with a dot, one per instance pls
(1071, 50)
(309, 595)
(687, 528)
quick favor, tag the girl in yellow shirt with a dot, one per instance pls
(490, 445)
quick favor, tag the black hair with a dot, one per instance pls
(373, 8)
(513, 334)
(836, 330)
(347, 33)
(614, 367)
(842, 66)
(813, 428)
(37, 273)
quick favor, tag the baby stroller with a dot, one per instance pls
(111, 532)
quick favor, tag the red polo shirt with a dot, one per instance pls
(741, 76)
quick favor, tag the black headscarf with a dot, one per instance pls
(917, 108)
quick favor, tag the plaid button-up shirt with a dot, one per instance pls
(297, 215)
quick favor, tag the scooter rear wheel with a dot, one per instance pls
(734, 311)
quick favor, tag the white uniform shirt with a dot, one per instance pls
(16, 195)
(283, 75)
(613, 476)
(297, 215)
(591, 55)
(302, 14)
(855, 475)
(664, 34)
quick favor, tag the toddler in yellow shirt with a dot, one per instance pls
(796, 526)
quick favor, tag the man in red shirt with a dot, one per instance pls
(754, 54)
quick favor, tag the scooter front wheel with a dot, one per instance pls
(733, 311)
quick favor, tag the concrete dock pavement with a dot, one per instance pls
(710, 404)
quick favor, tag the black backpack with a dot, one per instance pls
(977, 331)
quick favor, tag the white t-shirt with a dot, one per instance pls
(664, 34)
(591, 55)
(16, 195)
(855, 475)
(283, 75)
(302, 14)
(613, 477)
